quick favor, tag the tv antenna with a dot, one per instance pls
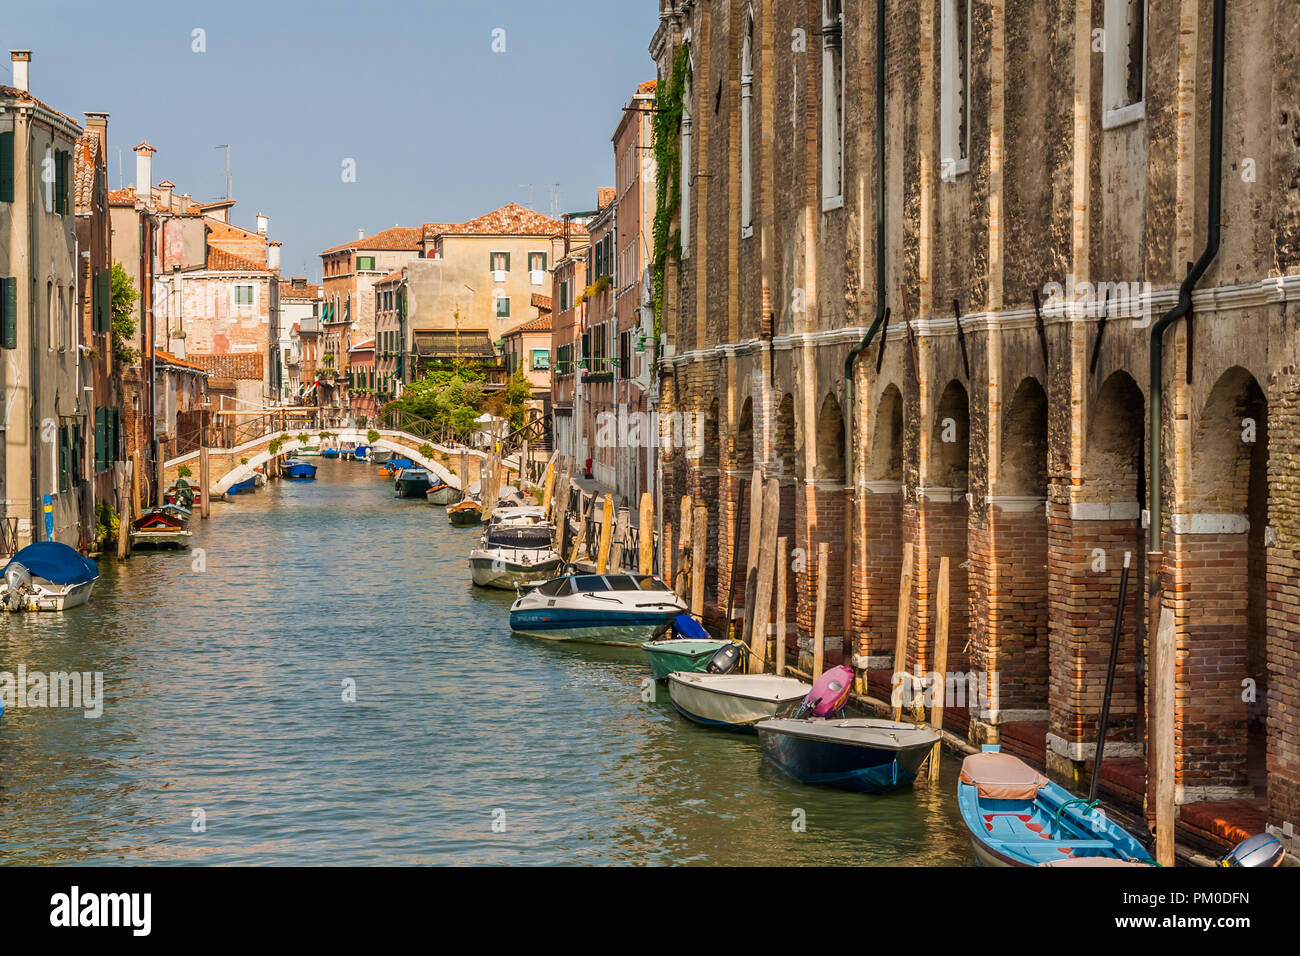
(554, 189)
(529, 187)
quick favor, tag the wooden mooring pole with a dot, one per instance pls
(699, 545)
(205, 476)
(760, 619)
(1163, 688)
(819, 629)
(782, 567)
(940, 664)
(899, 677)
(646, 534)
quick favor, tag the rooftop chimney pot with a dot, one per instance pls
(22, 60)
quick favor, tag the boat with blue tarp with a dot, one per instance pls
(47, 576)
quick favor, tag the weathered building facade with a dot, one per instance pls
(921, 279)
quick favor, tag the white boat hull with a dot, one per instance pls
(735, 700)
(50, 597)
(497, 569)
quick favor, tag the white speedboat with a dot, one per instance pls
(735, 700)
(597, 608)
(513, 556)
(47, 576)
(519, 516)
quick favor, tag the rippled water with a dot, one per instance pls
(224, 693)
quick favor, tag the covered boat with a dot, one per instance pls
(298, 470)
(737, 701)
(465, 513)
(686, 647)
(47, 576)
(329, 453)
(242, 487)
(160, 528)
(183, 493)
(514, 556)
(361, 453)
(380, 457)
(394, 465)
(518, 516)
(1017, 817)
(413, 482)
(599, 609)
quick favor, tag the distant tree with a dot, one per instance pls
(123, 298)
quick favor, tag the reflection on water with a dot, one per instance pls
(224, 694)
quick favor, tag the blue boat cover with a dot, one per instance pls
(56, 563)
(686, 626)
(400, 463)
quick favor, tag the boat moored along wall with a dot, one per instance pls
(985, 238)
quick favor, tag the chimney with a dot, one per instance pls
(97, 121)
(299, 282)
(144, 171)
(361, 234)
(273, 255)
(167, 186)
(262, 224)
(22, 69)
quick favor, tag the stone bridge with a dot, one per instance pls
(228, 466)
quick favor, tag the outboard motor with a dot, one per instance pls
(1263, 849)
(831, 692)
(725, 659)
(17, 581)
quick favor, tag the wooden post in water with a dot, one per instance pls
(666, 556)
(1163, 688)
(646, 534)
(464, 473)
(548, 488)
(782, 566)
(137, 469)
(683, 563)
(761, 617)
(205, 479)
(124, 517)
(617, 544)
(700, 543)
(819, 629)
(525, 471)
(899, 677)
(940, 664)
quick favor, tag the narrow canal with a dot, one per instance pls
(224, 693)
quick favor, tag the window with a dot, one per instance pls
(1124, 65)
(499, 262)
(747, 129)
(536, 262)
(832, 104)
(365, 263)
(65, 459)
(503, 307)
(564, 296)
(954, 90)
(541, 360)
(243, 295)
(6, 166)
(62, 168)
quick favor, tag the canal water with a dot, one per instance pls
(226, 738)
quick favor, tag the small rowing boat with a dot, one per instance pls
(1017, 817)
(298, 470)
(687, 647)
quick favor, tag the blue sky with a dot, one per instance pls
(440, 127)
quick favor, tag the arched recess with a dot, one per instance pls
(743, 443)
(1009, 576)
(830, 442)
(739, 513)
(785, 438)
(880, 537)
(942, 516)
(1219, 565)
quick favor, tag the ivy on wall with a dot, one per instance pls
(668, 180)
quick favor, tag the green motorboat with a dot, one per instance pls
(681, 654)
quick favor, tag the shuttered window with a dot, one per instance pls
(65, 460)
(7, 166)
(9, 313)
(101, 438)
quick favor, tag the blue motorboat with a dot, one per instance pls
(243, 487)
(1017, 817)
(362, 453)
(329, 453)
(299, 470)
(47, 576)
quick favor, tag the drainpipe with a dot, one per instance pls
(851, 359)
(1184, 305)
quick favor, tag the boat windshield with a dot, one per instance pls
(590, 582)
(557, 587)
(651, 583)
(508, 537)
(621, 582)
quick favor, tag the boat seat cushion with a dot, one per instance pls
(999, 776)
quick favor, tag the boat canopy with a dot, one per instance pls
(595, 583)
(56, 563)
(507, 536)
(999, 776)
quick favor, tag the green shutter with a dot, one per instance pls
(9, 313)
(113, 418)
(507, 262)
(7, 166)
(100, 438)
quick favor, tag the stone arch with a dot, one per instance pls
(1219, 563)
(830, 442)
(950, 440)
(711, 445)
(785, 437)
(743, 440)
(1112, 456)
(1023, 470)
(885, 457)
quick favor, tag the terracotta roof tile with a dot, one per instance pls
(510, 220)
(391, 277)
(219, 260)
(245, 365)
(540, 324)
(85, 160)
(542, 302)
(397, 239)
(169, 359)
(433, 230)
(287, 290)
(13, 93)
